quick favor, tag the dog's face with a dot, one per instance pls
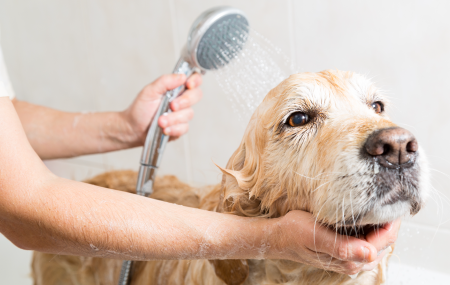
(322, 142)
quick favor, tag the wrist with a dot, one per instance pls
(119, 130)
(127, 132)
(253, 238)
(275, 238)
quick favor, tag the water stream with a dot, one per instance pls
(252, 73)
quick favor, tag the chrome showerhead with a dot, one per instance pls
(216, 37)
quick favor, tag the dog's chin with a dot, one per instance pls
(386, 213)
(377, 218)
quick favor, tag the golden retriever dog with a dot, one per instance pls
(319, 142)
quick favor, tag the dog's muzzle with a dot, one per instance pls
(392, 147)
(395, 151)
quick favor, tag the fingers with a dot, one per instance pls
(194, 81)
(371, 266)
(350, 268)
(175, 118)
(327, 262)
(176, 131)
(175, 124)
(384, 237)
(187, 99)
(165, 83)
(342, 247)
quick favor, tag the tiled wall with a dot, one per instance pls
(96, 55)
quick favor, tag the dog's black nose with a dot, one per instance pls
(393, 147)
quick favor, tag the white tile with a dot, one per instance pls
(14, 264)
(75, 170)
(47, 53)
(422, 247)
(399, 274)
(131, 45)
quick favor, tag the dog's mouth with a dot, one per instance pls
(359, 231)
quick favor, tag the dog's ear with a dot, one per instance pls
(240, 187)
(231, 271)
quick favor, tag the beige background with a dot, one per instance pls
(95, 55)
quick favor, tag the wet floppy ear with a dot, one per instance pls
(240, 178)
(244, 165)
(231, 271)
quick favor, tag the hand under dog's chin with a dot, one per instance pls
(375, 219)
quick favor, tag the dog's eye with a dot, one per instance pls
(378, 107)
(298, 119)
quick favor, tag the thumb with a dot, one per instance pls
(167, 82)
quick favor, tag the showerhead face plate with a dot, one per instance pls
(217, 37)
(222, 42)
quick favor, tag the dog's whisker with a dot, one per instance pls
(353, 216)
(320, 174)
(441, 222)
(315, 247)
(440, 172)
(321, 186)
(439, 205)
(440, 158)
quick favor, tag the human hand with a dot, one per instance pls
(141, 112)
(300, 239)
(382, 239)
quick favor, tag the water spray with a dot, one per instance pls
(216, 37)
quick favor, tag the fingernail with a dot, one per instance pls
(193, 84)
(366, 253)
(162, 123)
(167, 131)
(388, 226)
(182, 103)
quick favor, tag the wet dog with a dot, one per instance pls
(319, 142)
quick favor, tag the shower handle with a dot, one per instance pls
(154, 146)
(156, 140)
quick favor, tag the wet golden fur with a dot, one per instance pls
(318, 162)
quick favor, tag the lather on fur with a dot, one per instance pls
(323, 166)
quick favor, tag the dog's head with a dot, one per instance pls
(322, 142)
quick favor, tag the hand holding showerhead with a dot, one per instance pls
(215, 38)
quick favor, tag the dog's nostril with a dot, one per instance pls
(412, 146)
(386, 149)
(393, 147)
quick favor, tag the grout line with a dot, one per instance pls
(177, 50)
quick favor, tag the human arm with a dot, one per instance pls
(57, 134)
(40, 211)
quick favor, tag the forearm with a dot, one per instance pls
(42, 212)
(57, 134)
(67, 217)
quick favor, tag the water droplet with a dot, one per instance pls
(252, 73)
